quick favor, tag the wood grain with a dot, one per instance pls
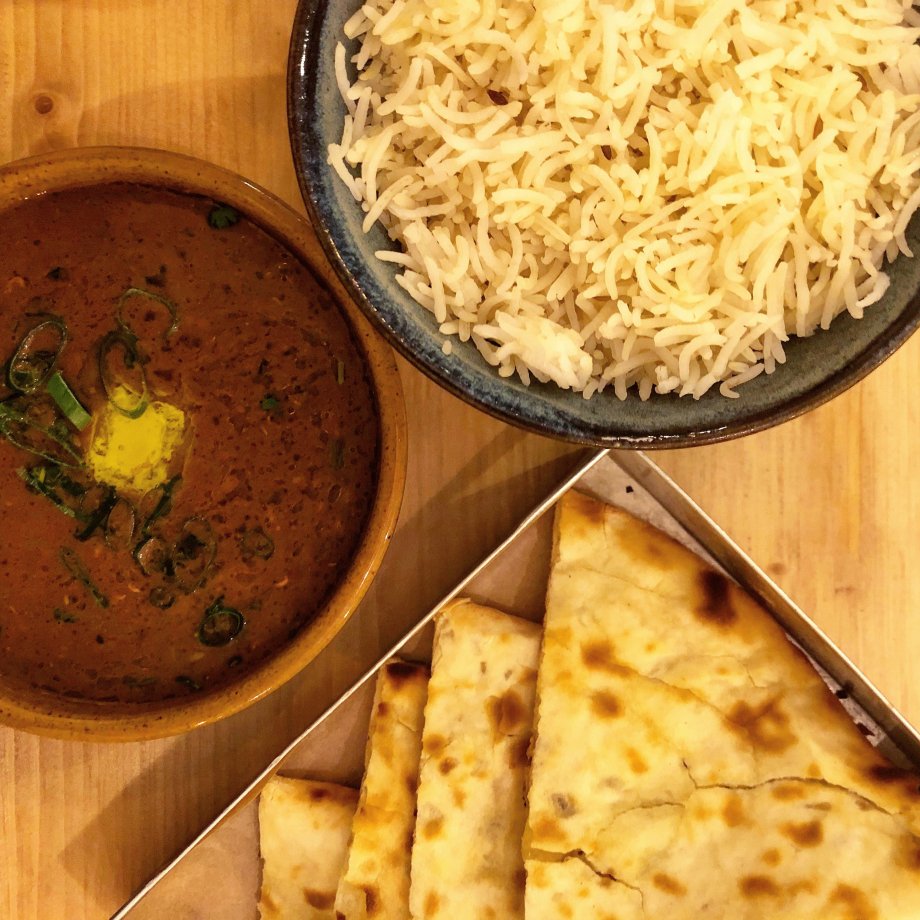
(828, 502)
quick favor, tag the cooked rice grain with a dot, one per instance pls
(652, 194)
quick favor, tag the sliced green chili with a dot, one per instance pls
(17, 426)
(37, 354)
(61, 393)
(152, 556)
(193, 553)
(126, 341)
(130, 681)
(120, 524)
(157, 503)
(36, 481)
(78, 570)
(149, 295)
(257, 543)
(161, 597)
(220, 625)
(337, 453)
(99, 515)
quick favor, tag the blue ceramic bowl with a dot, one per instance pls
(816, 369)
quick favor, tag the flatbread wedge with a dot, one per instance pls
(661, 684)
(376, 880)
(466, 859)
(304, 828)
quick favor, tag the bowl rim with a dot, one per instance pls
(62, 717)
(303, 63)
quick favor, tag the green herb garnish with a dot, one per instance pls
(222, 216)
(188, 682)
(37, 353)
(78, 570)
(220, 625)
(62, 616)
(269, 403)
(61, 393)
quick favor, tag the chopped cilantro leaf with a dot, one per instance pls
(223, 216)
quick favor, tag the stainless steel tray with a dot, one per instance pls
(512, 578)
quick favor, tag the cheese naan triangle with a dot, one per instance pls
(662, 686)
(304, 828)
(466, 859)
(376, 880)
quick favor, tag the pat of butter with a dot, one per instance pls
(134, 453)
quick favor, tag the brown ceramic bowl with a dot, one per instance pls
(47, 713)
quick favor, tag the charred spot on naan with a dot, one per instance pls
(803, 834)
(434, 745)
(507, 714)
(668, 884)
(431, 827)
(637, 763)
(716, 601)
(733, 813)
(758, 886)
(766, 726)
(402, 672)
(886, 774)
(856, 901)
(605, 705)
(321, 900)
(771, 857)
(598, 655)
(546, 829)
(432, 904)
(788, 791)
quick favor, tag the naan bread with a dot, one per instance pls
(466, 860)
(660, 677)
(304, 828)
(788, 849)
(376, 880)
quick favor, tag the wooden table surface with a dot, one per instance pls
(829, 503)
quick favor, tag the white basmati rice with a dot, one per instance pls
(635, 193)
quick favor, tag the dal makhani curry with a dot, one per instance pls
(188, 444)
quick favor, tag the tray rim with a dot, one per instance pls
(714, 540)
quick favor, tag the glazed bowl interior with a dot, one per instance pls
(817, 368)
(26, 705)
